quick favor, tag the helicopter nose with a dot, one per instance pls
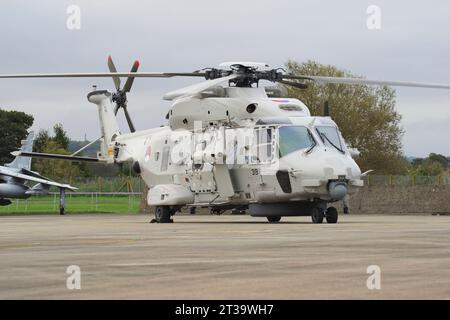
(337, 190)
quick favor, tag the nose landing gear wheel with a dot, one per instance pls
(317, 215)
(272, 219)
(162, 215)
(331, 215)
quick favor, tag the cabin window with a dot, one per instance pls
(263, 145)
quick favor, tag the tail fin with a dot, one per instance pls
(108, 122)
(23, 162)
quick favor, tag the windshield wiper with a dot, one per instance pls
(311, 148)
(323, 135)
(314, 145)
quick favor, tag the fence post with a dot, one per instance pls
(129, 202)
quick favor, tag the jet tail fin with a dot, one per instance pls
(23, 162)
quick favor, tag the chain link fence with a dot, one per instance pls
(396, 180)
(110, 184)
(125, 195)
(78, 202)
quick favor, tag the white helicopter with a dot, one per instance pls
(230, 144)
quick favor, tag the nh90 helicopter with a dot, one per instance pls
(230, 144)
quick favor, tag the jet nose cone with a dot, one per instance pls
(337, 190)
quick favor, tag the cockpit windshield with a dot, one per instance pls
(330, 137)
(293, 138)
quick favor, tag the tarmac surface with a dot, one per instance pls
(224, 257)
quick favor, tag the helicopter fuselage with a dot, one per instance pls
(242, 150)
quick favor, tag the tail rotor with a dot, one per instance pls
(120, 96)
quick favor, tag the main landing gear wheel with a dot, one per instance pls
(317, 215)
(162, 215)
(331, 215)
(272, 219)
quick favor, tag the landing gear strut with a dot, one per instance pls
(62, 201)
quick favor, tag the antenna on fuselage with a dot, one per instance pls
(326, 109)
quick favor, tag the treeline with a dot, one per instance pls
(433, 165)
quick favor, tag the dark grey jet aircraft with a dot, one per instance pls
(14, 175)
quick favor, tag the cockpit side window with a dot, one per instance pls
(293, 138)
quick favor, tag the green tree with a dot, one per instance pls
(365, 115)
(439, 158)
(60, 136)
(60, 170)
(57, 144)
(41, 140)
(13, 129)
(433, 165)
(428, 167)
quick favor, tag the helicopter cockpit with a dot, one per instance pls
(295, 134)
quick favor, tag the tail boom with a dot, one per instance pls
(108, 123)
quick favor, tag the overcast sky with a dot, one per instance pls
(412, 45)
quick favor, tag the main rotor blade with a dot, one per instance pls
(339, 80)
(197, 88)
(104, 75)
(129, 83)
(127, 116)
(113, 69)
(294, 84)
